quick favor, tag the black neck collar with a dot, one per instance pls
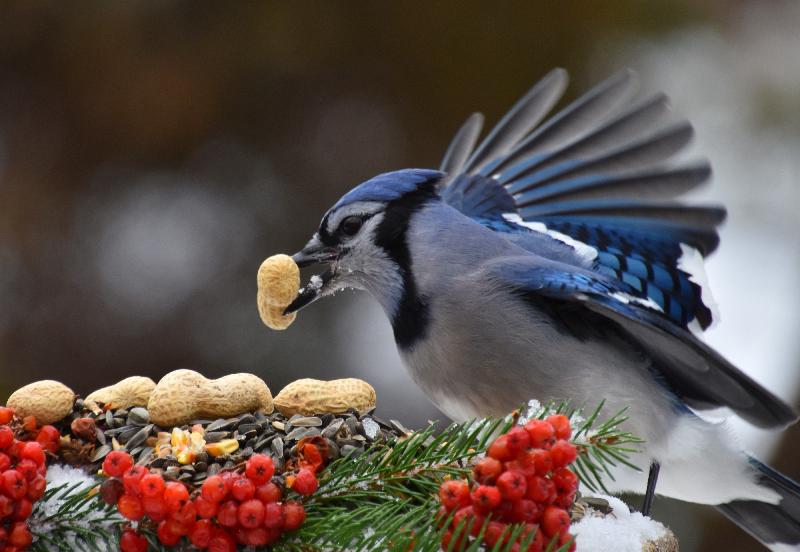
(411, 319)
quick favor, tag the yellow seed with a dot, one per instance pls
(185, 457)
(221, 448)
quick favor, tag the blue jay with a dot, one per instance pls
(552, 262)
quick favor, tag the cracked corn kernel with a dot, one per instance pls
(279, 280)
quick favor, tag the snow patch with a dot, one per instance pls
(691, 262)
(587, 253)
(371, 428)
(621, 531)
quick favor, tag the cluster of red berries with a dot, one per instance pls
(524, 479)
(229, 508)
(22, 478)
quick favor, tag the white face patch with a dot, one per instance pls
(587, 253)
(691, 262)
(336, 217)
(365, 265)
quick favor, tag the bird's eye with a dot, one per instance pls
(351, 225)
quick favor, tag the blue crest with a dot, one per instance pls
(389, 186)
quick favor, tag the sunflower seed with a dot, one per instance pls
(139, 437)
(246, 419)
(280, 426)
(277, 447)
(100, 453)
(400, 427)
(307, 421)
(216, 436)
(101, 437)
(222, 424)
(138, 416)
(333, 428)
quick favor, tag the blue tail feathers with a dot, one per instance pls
(771, 524)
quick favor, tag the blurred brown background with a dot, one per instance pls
(153, 153)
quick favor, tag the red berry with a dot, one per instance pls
(222, 541)
(565, 539)
(526, 463)
(200, 535)
(464, 519)
(5, 462)
(227, 515)
(6, 414)
(186, 516)
(305, 482)
(565, 480)
(49, 438)
(166, 536)
(132, 480)
(37, 487)
(20, 535)
(130, 507)
(526, 511)
(561, 425)
(565, 500)
(542, 434)
(257, 537)
(555, 521)
(542, 461)
(273, 515)
(518, 439)
(453, 543)
(454, 494)
(178, 528)
(6, 506)
(500, 449)
(563, 453)
(152, 485)
(487, 470)
(27, 468)
(131, 541)
(293, 515)
(536, 544)
(22, 510)
(268, 492)
(175, 496)
(243, 489)
(259, 468)
(155, 508)
(6, 437)
(496, 532)
(206, 509)
(251, 514)
(540, 489)
(511, 485)
(117, 462)
(14, 484)
(486, 498)
(214, 489)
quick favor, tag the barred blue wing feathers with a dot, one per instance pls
(599, 172)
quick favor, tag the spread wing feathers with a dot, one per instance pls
(462, 145)
(697, 374)
(599, 172)
(525, 115)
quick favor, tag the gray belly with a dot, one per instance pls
(487, 358)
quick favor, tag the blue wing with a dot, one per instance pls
(597, 172)
(580, 302)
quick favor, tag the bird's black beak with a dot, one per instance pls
(315, 252)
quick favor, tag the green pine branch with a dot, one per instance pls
(383, 499)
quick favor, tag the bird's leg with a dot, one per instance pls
(652, 478)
